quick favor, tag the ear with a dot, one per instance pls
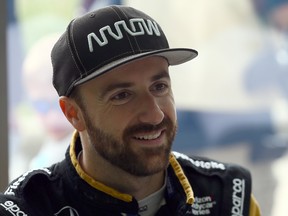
(72, 112)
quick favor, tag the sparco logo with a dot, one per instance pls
(67, 211)
(11, 207)
(142, 28)
(238, 197)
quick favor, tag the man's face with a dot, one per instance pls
(130, 117)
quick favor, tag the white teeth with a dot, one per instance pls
(149, 137)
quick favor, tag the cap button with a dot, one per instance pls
(92, 15)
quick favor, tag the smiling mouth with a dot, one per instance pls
(151, 136)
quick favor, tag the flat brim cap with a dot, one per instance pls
(107, 38)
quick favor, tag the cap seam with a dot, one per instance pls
(135, 39)
(126, 34)
(70, 32)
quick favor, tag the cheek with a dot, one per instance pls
(168, 107)
(112, 120)
(172, 113)
(170, 102)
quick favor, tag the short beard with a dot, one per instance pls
(121, 154)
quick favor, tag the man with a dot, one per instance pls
(111, 73)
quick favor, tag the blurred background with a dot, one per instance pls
(232, 100)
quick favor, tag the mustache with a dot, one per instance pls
(166, 123)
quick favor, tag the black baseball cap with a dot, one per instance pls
(104, 39)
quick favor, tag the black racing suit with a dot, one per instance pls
(64, 189)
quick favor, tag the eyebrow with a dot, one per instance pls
(162, 74)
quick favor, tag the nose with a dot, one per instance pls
(150, 110)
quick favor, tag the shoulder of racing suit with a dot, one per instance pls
(218, 188)
(33, 185)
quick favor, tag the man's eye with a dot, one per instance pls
(121, 96)
(160, 88)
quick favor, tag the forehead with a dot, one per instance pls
(136, 71)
